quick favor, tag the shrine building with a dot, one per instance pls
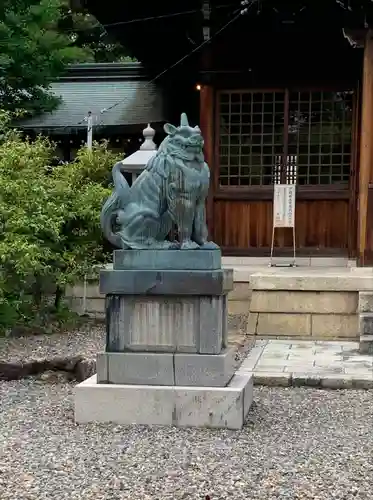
(283, 92)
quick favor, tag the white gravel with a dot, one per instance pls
(297, 444)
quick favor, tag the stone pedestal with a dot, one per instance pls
(194, 324)
(166, 341)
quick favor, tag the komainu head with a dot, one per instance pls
(184, 141)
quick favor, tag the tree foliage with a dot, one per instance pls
(91, 35)
(33, 53)
(49, 219)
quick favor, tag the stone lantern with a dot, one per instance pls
(135, 163)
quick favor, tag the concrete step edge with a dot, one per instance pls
(366, 315)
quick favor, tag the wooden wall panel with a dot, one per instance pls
(365, 213)
(207, 97)
(247, 225)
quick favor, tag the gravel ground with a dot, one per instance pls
(297, 444)
(90, 339)
(86, 341)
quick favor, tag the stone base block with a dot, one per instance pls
(298, 302)
(137, 368)
(166, 324)
(366, 323)
(190, 260)
(303, 280)
(365, 302)
(299, 325)
(166, 282)
(214, 370)
(224, 408)
(366, 344)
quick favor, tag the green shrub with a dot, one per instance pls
(49, 224)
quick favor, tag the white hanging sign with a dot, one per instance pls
(284, 205)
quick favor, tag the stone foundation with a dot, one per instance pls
(305, 304)
(166, 359)
(299, 303)
(238, 299)
(366, 322)
(156, 368)
(304, 313)
(214, 407)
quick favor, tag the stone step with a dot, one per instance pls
(365, 324)
(366, 344)
(300, 261)
(366, 302)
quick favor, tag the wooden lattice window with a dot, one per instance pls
(266, 135)
(320, 136)
(251, 136)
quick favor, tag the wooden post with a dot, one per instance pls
(206, 117)
(207, 128)
(365, 205)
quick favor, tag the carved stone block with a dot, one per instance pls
(160, 282)
(163, 368)
(166, 323)
(183, 260)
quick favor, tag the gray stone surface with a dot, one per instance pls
(366, 344)
(212, 324)
(335, 365)
(211, 407)
(189, 260)
(165, 324)
(162, 282)
(102, 368)
(204, 370)
(149, 368)
(273, 379)
(136, 368)
(366, 323)
(225, 320)
(365, 302)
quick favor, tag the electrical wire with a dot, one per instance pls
(143, 19)
(131, 21)
(237, 13)
(169, 68)
(154, 18)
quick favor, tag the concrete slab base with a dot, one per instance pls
(213, 407)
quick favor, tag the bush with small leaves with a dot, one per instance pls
(49, 224)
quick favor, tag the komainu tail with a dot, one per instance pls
(116, 202)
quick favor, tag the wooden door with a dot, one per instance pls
(260, 133)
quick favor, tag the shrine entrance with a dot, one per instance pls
(302, 136)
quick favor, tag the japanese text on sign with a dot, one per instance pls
(284, 205)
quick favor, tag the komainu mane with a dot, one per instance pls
(170, 191)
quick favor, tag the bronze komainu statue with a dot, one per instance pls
(170, 191)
